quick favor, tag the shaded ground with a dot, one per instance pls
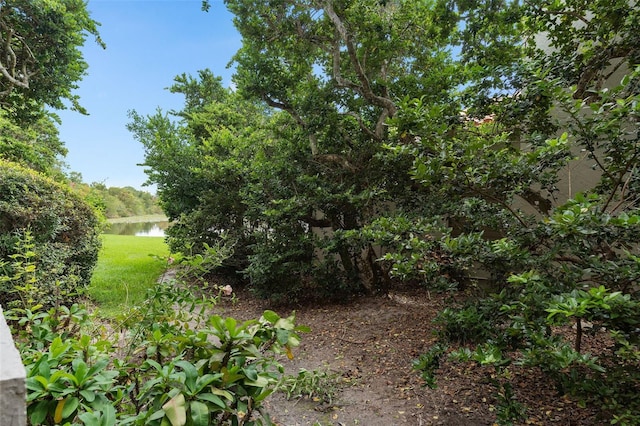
(368, 345)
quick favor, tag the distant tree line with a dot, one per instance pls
(114, 201)
(127, 201)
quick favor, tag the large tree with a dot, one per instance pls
(324, 77)
(40, 57)
(338, 69)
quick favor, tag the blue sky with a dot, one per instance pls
(149, 42)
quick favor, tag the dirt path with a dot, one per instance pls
(368, 345)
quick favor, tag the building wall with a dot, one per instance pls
(13, 411)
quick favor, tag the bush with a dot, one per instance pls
(178, 364)
(44, 223)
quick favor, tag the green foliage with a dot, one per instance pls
(508, 409)
(178, 363)
(551, 260)
(288, 186)
(116, 202)
(461, 168)
(35, 145)
(470, 324)
(196, 266)
(317, 385)
(428, 363)
(44, 223)
(127, 201)
(42, 41)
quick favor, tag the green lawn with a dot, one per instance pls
(125, 270)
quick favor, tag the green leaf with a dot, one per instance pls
(191, 374)
(250, 372)
(58, 348)
(221, 392)
(206, 380)
(260, 382)
(199, 413)
(157, 415)
(265, 393)
(91, 419)
(88, 395)
(43, 367)
(98, 366)
(271, 316)
(37, 383)
(70, 407)
(230, 376)
(209, 397)
(39, 412)
(108, 415)
(230, 324)
(285, 323)
(80, 370)
(282, 336)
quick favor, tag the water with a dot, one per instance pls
(139, 229)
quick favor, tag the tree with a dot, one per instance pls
(338, 72)
(201, 201)
(42, 222)
(40, 50)
(336, 76)
(338, 69)
(35, 145)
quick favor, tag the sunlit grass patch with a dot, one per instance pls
(127, 267)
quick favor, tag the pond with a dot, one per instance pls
(139, 229)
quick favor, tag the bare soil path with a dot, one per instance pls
(369, 343)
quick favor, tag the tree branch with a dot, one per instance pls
(364, 88)
(8, 69)
(313, 139)
(336, 159)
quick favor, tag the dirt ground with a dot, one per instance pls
(367, 346)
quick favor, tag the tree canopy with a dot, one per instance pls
(35, 145)
(40, 49)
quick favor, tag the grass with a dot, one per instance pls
(126, 269)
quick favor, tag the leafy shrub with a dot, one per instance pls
(176, 364)
(58, 230)
(278, 266)
(429, 362)
(318, 385)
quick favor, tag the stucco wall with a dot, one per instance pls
(12, 380)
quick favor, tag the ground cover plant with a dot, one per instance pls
(173, 362)
(127, 268)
